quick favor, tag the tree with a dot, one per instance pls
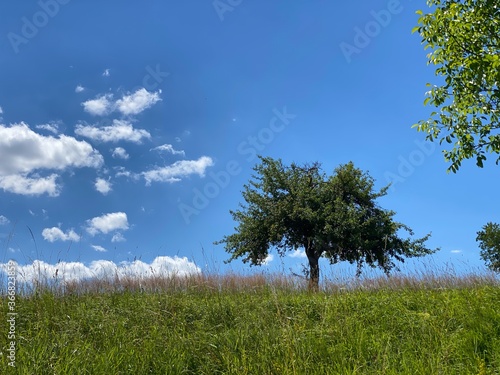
(292, 207)
(489, 243)
(465, 48)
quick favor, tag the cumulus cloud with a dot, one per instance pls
(106, 73)
(118, 237)
(4, 220)
(137, 102)
(100, 106)
(24, 151)
(170, 149)
(267, 260)
(99, 248)
(52, 127)
(79, 88)
(297, 254)
(118, 131)
(130, 104)
(22, 185)
(56, 234)
(120, 153)
(177, 170)
(162, 266)
(102, 186)
(122, 172)
(107, 223)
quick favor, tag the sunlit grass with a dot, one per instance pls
(261, 324)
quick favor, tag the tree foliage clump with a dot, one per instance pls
(489, 243)
(336, 217)
(464, 39)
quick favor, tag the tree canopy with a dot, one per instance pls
(336, 217)
(464, 41)
(489, 243)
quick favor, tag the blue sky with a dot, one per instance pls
(127, 129)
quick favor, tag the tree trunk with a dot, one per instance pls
(313, 269)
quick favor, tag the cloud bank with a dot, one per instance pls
(162, 266)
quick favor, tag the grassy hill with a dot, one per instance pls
(257, 325)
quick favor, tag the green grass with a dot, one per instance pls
(258, 325)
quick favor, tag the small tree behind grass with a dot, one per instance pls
(489, 242)
(336, 217)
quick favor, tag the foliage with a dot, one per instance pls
(465, 48)
(337, 217)
(489, 242)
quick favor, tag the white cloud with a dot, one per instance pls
(170, 149)
(122, 172)
(24, 151)
(174, 172)
(137, 102)
(455, 251)
(102, 186)
(267, 260)
(55, 234)
(22, 185)
(4, 220)
(298, 254)
(118, 237)
(131, 104)
(163, 266)
(52, 127)
(79, 88)
(106, 73)
(99, 248)
(100, 106)
(119, 131)
(120, 153)
(107, 223)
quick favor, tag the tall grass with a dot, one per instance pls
(261, 324)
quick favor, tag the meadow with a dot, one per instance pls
(260, 324)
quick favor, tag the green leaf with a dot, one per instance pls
(464, 45)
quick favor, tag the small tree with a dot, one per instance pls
(489, 242)
(292, 207)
